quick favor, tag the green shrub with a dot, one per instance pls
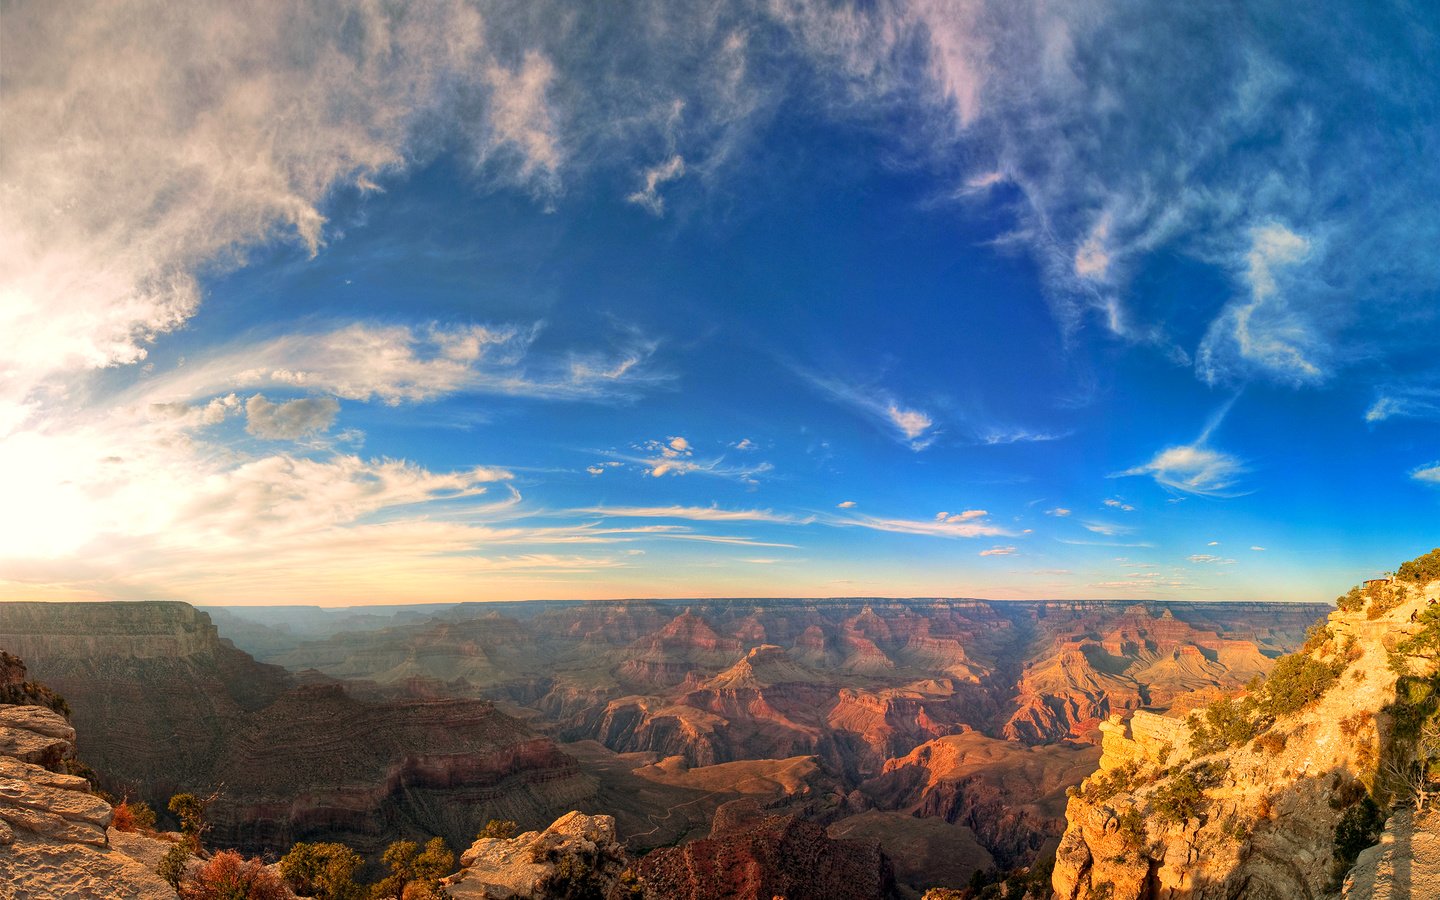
(502, 829)
(324, 871)
(1228, 722)
(1297, 681)
(1425, 643)
(171, 867)
(1180, 798)
(1422, 570)
(1352, 600)
(1132, 826)
(1103, 785)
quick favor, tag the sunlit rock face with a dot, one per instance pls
(1262, 812)
(173, 707)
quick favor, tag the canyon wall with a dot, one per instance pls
(169, 706)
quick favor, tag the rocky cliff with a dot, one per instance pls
(169, 706)
(752, 856)
(1273, 792)
(53, 831)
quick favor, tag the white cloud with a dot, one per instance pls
(655, 176)
(998, 551)
(396, 364)
(1209, 559)
(1258, 549)
(1106, 528)
(911, 422)
(291, 419)
(745, 444)
(845, 504)
(1427, 474)
(954, 529)
(1405, 401)
(966, 516)
(1059, 512)
(521, 120)
(1193, 469)
(695, 513)
(1119, 504)
(1266, 333)
(1213, 544)
(676, 456)
(204, 133)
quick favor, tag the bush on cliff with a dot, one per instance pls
(498, 829)
(1422, 570)
(324, 871)
(190, 810)
(230, 876)
(1297, 681)
(1228, 722)
(171, 867)
(414, 873)
(136, 816)
(1359, 827)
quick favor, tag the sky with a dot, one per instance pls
(354, 302)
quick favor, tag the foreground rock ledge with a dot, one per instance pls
(53, 831)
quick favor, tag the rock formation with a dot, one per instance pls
(577, 856)
(1259, 796)
(752, 856)
(53, 830)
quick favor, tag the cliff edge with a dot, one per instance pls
(1275, 792)
(54, 839)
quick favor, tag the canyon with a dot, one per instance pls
(939, 734)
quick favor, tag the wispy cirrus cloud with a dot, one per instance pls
(397, 364)
(910, 426)
(956, 528)
(998, 551)
(1196, 468)
(696, 514)
(1427, 474)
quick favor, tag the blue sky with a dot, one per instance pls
(318, 303)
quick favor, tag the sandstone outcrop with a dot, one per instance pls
(53, 830)
(577, 856)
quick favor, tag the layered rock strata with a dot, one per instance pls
(168, 706)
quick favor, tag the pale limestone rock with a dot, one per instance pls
(519, 867)
(53, 839)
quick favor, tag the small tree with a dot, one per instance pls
(171, 867)
(190, 810)
(230, 876)
(324, 871)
